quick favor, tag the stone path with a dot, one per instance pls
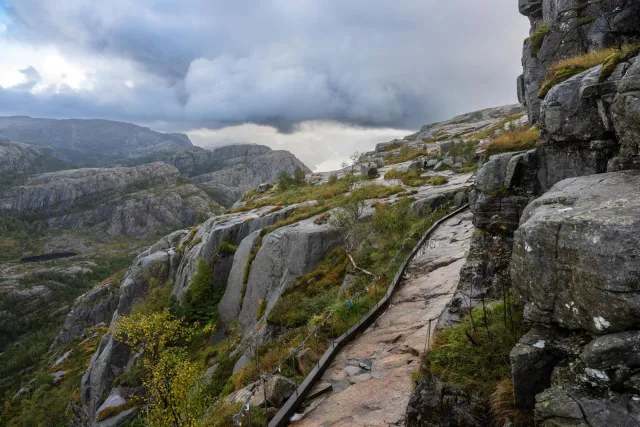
(369, 382)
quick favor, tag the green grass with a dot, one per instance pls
(227, 248)
(405, 157)
(481, 364)
(414, 178)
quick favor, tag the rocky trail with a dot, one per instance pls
(369, 383)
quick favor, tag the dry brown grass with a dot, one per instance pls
(513, 141)
(584, 62)
(503, 406)
(564, 69)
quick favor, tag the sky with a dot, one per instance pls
(320, 78)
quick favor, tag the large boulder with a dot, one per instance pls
(575, 254)
(566, 116)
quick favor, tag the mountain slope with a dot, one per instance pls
(90, 142)
(18, 161)
(226, 173)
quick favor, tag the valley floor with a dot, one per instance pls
(370, 380)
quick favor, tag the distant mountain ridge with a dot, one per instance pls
(90, 143)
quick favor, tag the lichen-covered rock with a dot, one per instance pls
(231, 302)
(567, 116)
(504, 186)
(562, 29)
(112, 357)
(205, 241)
(574, 259)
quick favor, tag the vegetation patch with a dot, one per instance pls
(537, 38)
(513, 141)
(491, 130)
(474, 355)
(311, 293)
(414, 178)
(227, 248)
(200, 302)
(405, 156)
(564, 69)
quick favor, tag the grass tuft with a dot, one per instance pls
(513, 141)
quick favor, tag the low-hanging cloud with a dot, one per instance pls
(215, 63)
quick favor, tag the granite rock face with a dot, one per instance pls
(564, 28)
(574, 266)
(574, 259)
(18, 161)
(139, 201)
(226, 173)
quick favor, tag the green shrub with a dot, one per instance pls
(227, 248)
(333, 178)
(200, 303)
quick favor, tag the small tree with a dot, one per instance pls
(299, 176)
(347, 217)
(355, 157)
(285, 181)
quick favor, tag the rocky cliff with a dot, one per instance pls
(19, 161)
(90, 142)
(137, 201)
(558, 221)
(226, 173)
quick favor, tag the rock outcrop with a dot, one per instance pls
(18, 161)
(138, 201)
(226, 173)
(562, 29)
(574, 259)
(575, 267)
(90, 309)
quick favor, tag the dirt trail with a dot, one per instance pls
(369, 382)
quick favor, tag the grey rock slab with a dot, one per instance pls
(574, 257)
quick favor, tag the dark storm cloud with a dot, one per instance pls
(279, 62)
